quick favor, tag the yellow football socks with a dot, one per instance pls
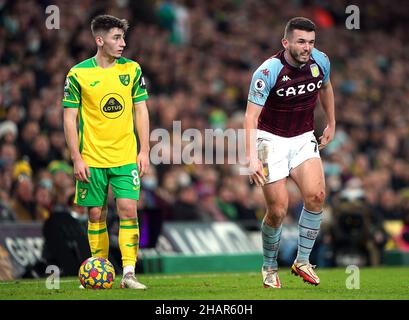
(98, 239)
(129, 241)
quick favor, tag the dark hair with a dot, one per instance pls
(298, 23)
(106, 22)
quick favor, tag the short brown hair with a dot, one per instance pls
(298, 23)
(106, 22)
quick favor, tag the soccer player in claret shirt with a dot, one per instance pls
(280, 109)
(105, 92)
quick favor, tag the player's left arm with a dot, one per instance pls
(142, 128)
(139, 97)
(326, 94)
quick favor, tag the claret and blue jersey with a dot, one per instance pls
(288, 94)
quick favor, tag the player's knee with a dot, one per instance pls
(96, 214)
(274, 220)
(276, 213)
(317, 198)
(127, 211)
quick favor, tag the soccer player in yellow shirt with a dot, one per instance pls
(105, 93)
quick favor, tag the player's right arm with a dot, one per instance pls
(261, 83)
(71, 102)
(250, 125)
(81, 169)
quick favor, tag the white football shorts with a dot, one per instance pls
(279, 154)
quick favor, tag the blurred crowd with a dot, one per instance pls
(198, 58)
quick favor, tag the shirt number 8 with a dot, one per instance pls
(135, 176)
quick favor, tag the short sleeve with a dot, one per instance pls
(323, 61)
(139, 92)
(264, 78)
(72, 91)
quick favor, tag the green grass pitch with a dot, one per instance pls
(375, 284)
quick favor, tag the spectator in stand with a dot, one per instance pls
(8, 132)
(186, 207)
(402, 240)
(43, 200)
(22, 202)
(225, 202)
(63, 184)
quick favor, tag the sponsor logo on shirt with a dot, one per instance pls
(299, 90)
(112, 105)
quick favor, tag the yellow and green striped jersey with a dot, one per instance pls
(105, 98)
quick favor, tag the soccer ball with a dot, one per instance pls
(96, 273)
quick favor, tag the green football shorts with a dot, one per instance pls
(124, 181)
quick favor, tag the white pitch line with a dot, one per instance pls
(176, 276)
(31, 281)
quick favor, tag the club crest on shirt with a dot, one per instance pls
(124, 78)
(315, 71)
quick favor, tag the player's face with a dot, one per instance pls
(300, 45)
(114, 43)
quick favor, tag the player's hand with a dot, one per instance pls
(143, 162)
(81, 171)
(257, 173)
(327, 137)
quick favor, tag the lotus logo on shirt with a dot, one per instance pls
(112, 105)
